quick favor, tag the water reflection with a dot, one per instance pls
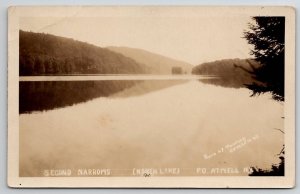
(177, 126)
(48, 95)
(229, 82)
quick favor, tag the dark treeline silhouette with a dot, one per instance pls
(266, 34)
(233, 73)
(45, 54)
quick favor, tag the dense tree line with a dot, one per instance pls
(225, 67)
(234, 73)
(45, 54)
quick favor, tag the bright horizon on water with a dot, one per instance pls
(94, 77)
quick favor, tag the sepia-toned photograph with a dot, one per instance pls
(151, 93)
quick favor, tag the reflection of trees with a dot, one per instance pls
(267, 37)
(228, 82)
(40, 96)
(47, 95)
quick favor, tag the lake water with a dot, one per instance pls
(126, 124)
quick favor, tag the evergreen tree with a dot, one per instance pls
(266, 34)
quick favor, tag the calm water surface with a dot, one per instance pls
(152, 123)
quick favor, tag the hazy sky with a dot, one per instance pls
(191, 39)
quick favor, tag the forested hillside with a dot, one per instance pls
(231, 72)
(45, 54)
(226, 67)
(156, 63)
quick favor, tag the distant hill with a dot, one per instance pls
(156, 64)
(45, 54)
(231, 72)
